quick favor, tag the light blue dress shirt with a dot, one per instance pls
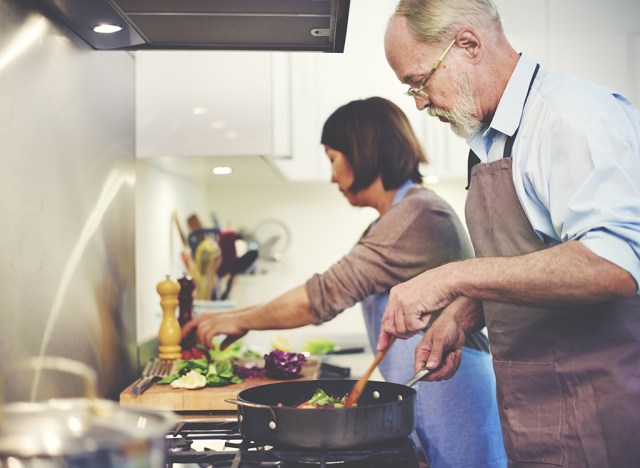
(576, 161)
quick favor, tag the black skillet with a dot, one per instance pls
(385, 412)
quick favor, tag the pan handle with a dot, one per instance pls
(419, 375)
(273, 425)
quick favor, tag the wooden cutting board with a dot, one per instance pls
(203, 399)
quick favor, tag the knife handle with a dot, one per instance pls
(353, 350)
(141, 386)
(335, 370)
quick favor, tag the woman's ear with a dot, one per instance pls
(470, 42)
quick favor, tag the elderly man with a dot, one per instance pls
(553, 211)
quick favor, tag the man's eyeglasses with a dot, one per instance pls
(418, 92)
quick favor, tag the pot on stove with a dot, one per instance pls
(79, 432)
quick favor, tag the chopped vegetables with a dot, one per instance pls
(216, 373)
(190, 381)
(281, 343)
(319, 346)
(321, 399)
(230, 352)
(250, 370)
(281, 364)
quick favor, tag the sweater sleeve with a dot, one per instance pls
(419, 233)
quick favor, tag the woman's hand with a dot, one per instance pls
(207, 326)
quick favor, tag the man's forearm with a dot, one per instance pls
(566, 274)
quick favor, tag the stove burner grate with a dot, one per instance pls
(240, 453)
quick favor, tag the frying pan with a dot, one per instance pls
(385, 412)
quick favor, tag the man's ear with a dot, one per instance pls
(470, 42)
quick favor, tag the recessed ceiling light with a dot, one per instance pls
(107, 28)
(200, 110)
(231, 135)
(222, 170)
(218, 124)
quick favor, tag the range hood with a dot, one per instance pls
(278, 25)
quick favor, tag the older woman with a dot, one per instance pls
(375, 158)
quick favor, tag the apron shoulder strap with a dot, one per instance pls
(473, 159)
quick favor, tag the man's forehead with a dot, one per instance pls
(402, 50)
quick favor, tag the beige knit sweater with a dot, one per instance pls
(420, 232)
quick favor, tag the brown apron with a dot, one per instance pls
(567, 379)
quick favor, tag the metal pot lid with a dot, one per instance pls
(71, 426)
(75, 426)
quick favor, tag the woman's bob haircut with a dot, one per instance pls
(377, 139)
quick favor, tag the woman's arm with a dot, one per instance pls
(289, 310)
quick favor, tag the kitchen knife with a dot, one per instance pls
(338, 350)
(330, 370)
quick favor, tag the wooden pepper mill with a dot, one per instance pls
(169, 335)
(185, 299)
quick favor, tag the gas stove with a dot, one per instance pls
(212, 443)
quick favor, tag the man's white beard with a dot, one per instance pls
(463, 122)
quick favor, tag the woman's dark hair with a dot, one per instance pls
(377, 139)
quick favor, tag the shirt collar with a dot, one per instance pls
(507, 117)
(402, 191)
(509, 111)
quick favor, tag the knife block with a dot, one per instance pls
(169, 335)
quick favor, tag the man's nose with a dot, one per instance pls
(421, 103)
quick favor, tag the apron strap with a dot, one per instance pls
(473, 159)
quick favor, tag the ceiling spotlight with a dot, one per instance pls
(107, 28)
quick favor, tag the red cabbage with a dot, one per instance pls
(253, 372)
(281, 365)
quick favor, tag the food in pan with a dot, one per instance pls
(321, 399)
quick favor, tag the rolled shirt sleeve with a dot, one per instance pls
(581, 180)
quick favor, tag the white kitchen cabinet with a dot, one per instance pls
(209, 103)
(275, 103)
(320, 83)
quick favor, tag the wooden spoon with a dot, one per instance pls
(356, 391)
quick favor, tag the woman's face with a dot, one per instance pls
(341, 173)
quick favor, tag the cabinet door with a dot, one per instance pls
(203, 103)
(320, 83)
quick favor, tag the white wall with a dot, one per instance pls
(158, 196)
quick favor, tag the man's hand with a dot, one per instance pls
(412, 304)
(441, 347)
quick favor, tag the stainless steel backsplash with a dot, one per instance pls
(67, 182)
